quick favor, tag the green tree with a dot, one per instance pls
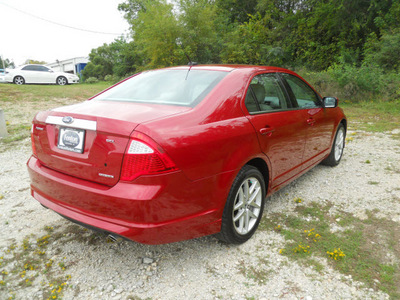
(237, 11)
(198, 35)
(32, 61)
(155, 31)
(6, 63)
(117, 58)
(247, 43)
(384, 52)
(165, 33)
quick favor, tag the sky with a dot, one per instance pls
(41, 29)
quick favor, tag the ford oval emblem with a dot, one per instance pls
(68, 120)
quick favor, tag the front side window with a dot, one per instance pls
(177, 87)
(43, 69)
(305, 96)
(265, 94)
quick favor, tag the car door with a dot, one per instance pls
(320, 121)
(29, 73)
(46, 75)
(280, 127)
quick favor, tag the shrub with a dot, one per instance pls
(108, 78)
(112, 78)
(91, 80)
(348, 82)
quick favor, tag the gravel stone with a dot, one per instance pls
(147, 260)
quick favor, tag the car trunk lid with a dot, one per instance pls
(88, 140)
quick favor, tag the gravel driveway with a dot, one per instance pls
(74, 263)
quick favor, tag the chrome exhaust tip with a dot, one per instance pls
(113, 239)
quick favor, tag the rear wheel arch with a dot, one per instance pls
(344, 122)
(228, 233)
(244, 206)
(262, 166)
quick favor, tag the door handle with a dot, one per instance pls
(310, 121)
(267, 131)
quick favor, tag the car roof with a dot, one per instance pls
(229, 68)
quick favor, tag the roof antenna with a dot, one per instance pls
(179, 43)
(191, 63)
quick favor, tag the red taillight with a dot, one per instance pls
(33, 143)
(144, 157)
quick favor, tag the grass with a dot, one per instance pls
(360, 248)
(20, 103)
(260, 274)
(28, 263)
(373, 116)
(36, 262)
(21, 93)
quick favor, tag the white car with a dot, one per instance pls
(39, 74)
(2, 76)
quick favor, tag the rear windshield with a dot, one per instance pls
(176, 87)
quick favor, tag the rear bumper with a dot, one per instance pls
(151, 210)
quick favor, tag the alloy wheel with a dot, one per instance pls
(247, 206)
(339, 144)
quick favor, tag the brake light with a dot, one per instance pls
(33, 143)
(145, 157)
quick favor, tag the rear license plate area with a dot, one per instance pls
(71, 139)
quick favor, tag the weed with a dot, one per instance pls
(22, 265)
(297, 200)
(301, 249)
(356, 250)
(336, 254)
(373, 182)
(311, 235)
(259, 275)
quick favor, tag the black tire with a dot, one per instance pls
(61, 80)
(337, 147)
(240, 218)
(19, 80)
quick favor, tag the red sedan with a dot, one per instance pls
(178, 153)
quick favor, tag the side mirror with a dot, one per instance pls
(330, 102)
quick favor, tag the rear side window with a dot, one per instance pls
(176, 87)
(305, 96)
(265, 94)
(29, 68)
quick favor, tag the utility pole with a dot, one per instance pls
(2, 61)
(3, 127)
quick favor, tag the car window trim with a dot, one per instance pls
(272, 111)
(253, 94)
(283, 88)
(288, 91)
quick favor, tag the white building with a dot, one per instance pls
(73, 65)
